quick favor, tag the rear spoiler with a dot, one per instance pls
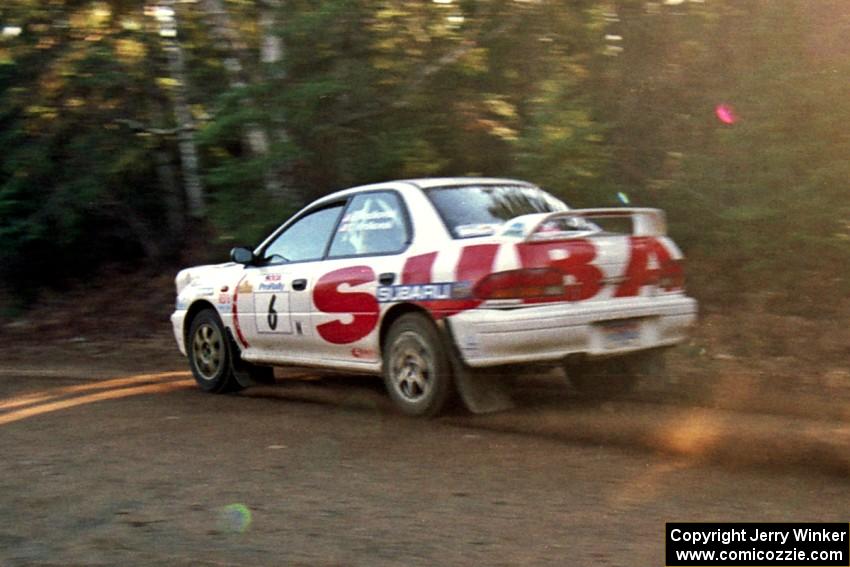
(645, 222)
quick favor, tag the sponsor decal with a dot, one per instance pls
(270, 287)
(476, 261)
(366, 221)
(462, 290)
(585, 279)
(205, 291)
(648, 254)
(417, 269)
(367, 353)
(415, 292)
(574, 259)
(516, 229)
(245, 287)
(470, 230)
(470, 342)
(238, 328)
(224, 298)
(363, 307)
(273, 277)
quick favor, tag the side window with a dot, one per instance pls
(306, 239)
(374, 223)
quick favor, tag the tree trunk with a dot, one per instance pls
(183, 116)
(175, 210)
(255, 138)
(272, 57)
(271, 48)
(171, 196)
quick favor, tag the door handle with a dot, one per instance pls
(299, 284)
(387, 278)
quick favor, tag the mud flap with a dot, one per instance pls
(651, 368)
(481, 390)
(655, 364)
(247, 374)
(243, 377)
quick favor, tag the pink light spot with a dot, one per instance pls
(725, 114)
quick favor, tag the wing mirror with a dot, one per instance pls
(242, 255)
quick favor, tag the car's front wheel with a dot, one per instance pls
(417, 372)
(210, 354)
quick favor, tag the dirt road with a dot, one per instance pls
(116, 459)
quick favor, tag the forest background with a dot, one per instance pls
(136, 137)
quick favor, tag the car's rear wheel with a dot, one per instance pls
(210, 354)
(417, 372)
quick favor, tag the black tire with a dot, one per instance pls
(417, 371)
(603, 379)
(210, 354)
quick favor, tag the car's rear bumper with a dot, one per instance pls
(549, 333)
(177, 319)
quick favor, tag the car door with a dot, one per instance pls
(366, 252)
(274, 296)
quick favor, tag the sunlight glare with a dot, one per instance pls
(725, 113)
(235, 518)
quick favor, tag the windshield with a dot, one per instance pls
(479, 210)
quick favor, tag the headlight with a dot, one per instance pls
(183, 279)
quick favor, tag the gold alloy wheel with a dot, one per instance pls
(412, 367)
(208, 351)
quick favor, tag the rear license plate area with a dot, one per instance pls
(621, 333)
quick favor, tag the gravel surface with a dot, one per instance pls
(112, 457)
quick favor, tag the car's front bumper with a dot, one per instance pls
(177, 319)
(549, 333)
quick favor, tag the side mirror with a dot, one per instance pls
(242, 255)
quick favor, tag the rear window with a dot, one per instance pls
(480, 210)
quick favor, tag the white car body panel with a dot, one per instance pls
(486, 337)
(314, 327)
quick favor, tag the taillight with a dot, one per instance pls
(521, 284)
(672, 275)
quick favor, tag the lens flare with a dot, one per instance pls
(235, 518)
(725, 113)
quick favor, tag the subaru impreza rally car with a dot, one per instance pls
(438, 284)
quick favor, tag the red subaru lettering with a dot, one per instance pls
(417, 269)
(639, 272)
(585, 279)
(475, 262)
(362, 306)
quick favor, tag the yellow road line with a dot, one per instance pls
(91, 398)
(45, 395)
(25, 400)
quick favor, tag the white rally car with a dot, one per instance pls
(437, 284)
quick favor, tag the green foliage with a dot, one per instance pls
(69, 173)
(597, 101)
(764, 198)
